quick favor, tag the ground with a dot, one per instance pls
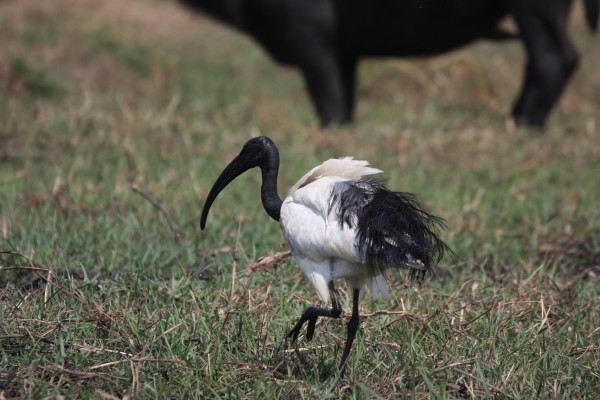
(117, 117)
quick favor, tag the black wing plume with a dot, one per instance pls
(392, 228)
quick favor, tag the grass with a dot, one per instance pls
(102, 295)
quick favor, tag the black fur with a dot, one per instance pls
(392, 228)
(326, 39)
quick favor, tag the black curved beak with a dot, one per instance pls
(238, 166)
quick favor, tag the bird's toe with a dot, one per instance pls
(310, 329)
(293, 334)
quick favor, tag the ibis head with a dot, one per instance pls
(257, 152)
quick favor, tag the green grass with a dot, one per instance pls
(101, 298)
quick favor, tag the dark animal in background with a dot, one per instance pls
(326, 38)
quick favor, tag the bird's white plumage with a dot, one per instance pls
(345, 167)
(324, 249)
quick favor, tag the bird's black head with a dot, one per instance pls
(257, 152)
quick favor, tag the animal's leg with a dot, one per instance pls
(352, 328)
(319, 63)
(551, 57)
(311, 314)
(348, 68)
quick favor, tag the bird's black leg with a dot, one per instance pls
(352, 328)
(311, 314)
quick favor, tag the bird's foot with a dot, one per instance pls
(293, 333)
(310, 330)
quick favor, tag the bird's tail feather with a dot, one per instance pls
(393, 228)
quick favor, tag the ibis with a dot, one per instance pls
(339, 224)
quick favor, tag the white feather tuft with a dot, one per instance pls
(346, 167)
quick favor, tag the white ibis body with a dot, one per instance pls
(340, 225)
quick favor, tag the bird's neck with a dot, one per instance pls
(268, 191)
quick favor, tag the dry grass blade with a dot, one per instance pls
(493, 387)
(456, 364)
(139, 360)
(310, 348)
(269, 262)
(28, 336)
(25, 267)
(92, 349)
(106, 395)
(32, 264)
(86, 375)
(179, 236)
(407, 314)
